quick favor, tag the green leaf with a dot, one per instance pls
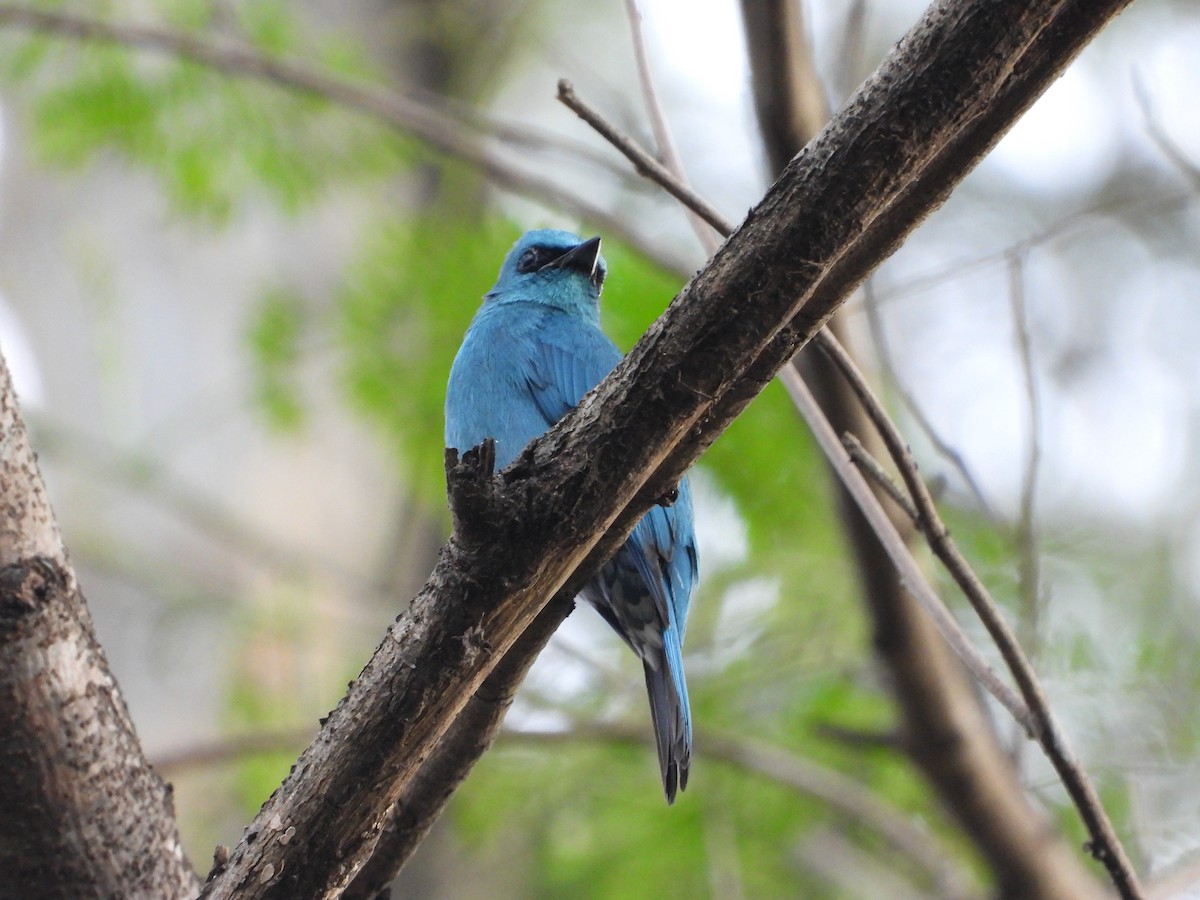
(399, 318)
(214, 140)
(274, 336)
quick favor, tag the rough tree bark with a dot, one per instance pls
(465, 741)
(573, 496)
(83, 814)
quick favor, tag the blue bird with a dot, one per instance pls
(533, 350)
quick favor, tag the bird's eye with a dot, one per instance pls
(531, 259)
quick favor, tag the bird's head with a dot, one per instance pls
(553, 267)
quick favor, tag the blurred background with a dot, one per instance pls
(231, 307)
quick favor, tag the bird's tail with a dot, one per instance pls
(671, 714)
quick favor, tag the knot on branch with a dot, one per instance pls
(29, 586)
(471, 490)
(220, 862)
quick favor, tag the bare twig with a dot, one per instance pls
(1027, 546)
(1105, 846)
(525, 136)
(911, 576)
(658, 122)
(873, 470)
(1158, 134)
(642, 161)
(944, 448)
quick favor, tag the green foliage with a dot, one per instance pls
(266, 686)
(404, 307)
(274, 338)
(212, 140)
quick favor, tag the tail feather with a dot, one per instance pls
(672, 721)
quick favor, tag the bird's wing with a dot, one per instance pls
(569, 358)
(572, 357)
(663, 548)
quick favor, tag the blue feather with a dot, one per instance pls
(533, 350)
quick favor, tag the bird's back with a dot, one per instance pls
(521, 367)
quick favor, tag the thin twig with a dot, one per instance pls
(659, 125)
(436, 127)
(940, 445)
(872, 469)
(1031, 709)
(910, 573)
(1163, 141)
(643, 162)
(1027, 548)
(1104, 845)
(526, 136)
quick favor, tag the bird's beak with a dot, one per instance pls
(585, 258)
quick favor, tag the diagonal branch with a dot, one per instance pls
(547, 523)
(879, 341)
(1027, 531)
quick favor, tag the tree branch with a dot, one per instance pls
(83, 813)
(575, 493)
(466, 740)
(870, 467)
